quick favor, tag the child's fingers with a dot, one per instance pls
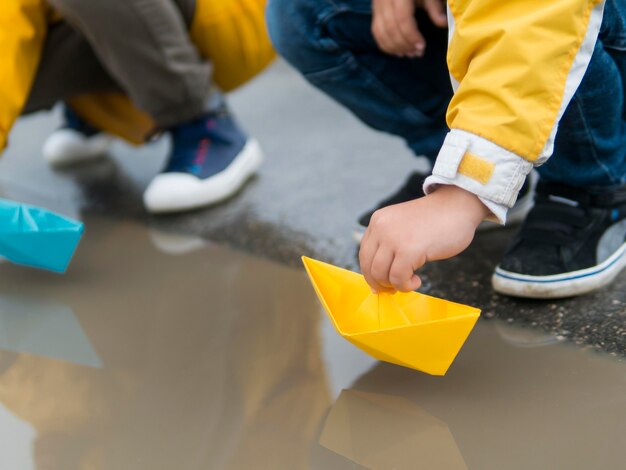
(394, 28)
(401, 274)
(379, 270)
(437, 12)
(413, 41)
(380, 30)
(391, 33)
(367, 252)
(366, 256)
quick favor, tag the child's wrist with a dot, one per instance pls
(471, 204)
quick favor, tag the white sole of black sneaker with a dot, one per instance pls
(176, 192)
(560, 285)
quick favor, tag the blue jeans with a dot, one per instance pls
(331, 44)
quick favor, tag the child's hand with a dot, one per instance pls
(395, 29)
(403, 237)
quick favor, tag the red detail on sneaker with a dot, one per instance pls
(202, 152)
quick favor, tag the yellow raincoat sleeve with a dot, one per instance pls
(22, 33)
(515, 65)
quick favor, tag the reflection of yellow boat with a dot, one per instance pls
(383, 431)
(409, 329)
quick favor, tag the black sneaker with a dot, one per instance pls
(571, 243)
(412, 189)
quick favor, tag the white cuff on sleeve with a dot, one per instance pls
(499, 211)
(479, 166)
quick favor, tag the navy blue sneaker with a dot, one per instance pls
(75, 141)
(211, 159)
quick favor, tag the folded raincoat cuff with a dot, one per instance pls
(481, 167)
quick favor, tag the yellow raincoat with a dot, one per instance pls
(515, 65)
(231, 33)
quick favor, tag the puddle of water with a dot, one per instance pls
(514, 399)
(161, 352)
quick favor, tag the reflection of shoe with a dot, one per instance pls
(412, 189)
(210, 161)
(175, 244)
(76, 141)
(524, 337)
(571, 243)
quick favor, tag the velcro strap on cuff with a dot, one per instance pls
(481, 167)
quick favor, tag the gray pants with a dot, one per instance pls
(140, 47)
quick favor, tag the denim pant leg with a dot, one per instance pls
(590, 148)
(331, 44)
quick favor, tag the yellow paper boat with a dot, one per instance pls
(409, 329)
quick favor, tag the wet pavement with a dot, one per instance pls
(158, 351)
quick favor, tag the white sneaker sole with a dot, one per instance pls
(175, 192)
(67, 147)
(560, 285)
(175, 244)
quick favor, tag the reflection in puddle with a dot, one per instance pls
(209, 359)
(16, 442)
(381, 431)
(44, 328)
(513, 399)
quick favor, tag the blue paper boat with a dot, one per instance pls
(36, 237)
